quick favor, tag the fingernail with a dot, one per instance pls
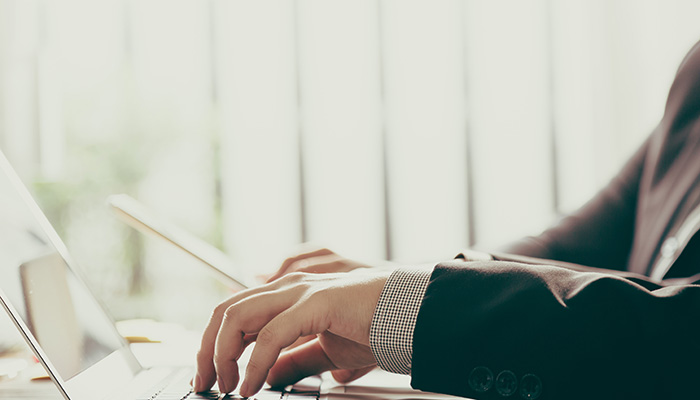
(244, 390)
(222, 385)
(197, 382)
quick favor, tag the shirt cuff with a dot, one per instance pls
(391, 331)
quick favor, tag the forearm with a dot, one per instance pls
(583, 335)
(600, 233)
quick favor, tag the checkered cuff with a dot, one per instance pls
(391, 332)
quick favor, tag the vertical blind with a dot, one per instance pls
(400, 129)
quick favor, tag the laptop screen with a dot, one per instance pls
(62, 315)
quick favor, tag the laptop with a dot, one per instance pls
(77, 342)
(66, 326)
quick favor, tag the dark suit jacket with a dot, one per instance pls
(528, 328)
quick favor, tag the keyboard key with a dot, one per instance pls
(310, 385)
(200, 396)
(300, 396)
(268, 395)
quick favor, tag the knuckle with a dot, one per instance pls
(300, 265)
(297, 276)
(231, 313)
(203, 357)
(220, 310)
(216, 313)
(253, 366)
(266, 337)
(294, 277)
(288, 261)
(306, 268)
(218, 358)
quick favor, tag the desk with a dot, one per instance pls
(177, 347)
(20, 386)
(45, 390)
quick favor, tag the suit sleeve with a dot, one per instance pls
(495, 330)
(600, 233)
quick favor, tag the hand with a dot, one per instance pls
(337, 308)
(316, 261)
(321, 260)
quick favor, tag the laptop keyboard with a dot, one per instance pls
(179, 388)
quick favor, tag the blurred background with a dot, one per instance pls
(383, 129)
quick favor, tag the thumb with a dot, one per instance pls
(298, 363)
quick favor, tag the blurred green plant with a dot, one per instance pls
(94, 172)
(112, 136)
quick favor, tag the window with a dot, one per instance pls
(401, 129)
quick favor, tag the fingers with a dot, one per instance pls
(302, 340)
(327, 352)
(206, 373)
(277, 317)
(279, 333)
(336, 307)
(298, 363)
(245, 317)
(289, 262)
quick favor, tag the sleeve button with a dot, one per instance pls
(506, 383)
(481, 379)
(530, 387)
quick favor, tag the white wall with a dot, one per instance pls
(397, 128)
